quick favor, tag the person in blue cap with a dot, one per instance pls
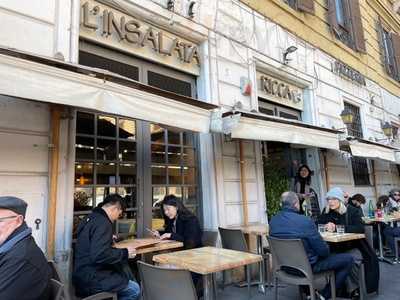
(24, 271)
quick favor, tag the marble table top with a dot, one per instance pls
(256, 229)
(334, 237)
(148, 245)
(207, 260)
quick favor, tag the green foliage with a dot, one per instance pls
(276, 182)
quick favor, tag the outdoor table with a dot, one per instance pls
(334, 237)
(149, 245)
(379, 221)
(259, 230)
(206, 261)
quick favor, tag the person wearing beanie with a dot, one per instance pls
(24, 271)
(336, 213)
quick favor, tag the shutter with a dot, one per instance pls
(306, 6)
(357, 28)
(396, 50)
(332, 16)
(382, 47)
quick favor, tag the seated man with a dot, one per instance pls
(98, 266)
(24, 271)
(289, 224)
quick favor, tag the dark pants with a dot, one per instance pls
(390, 233)
(341, 264)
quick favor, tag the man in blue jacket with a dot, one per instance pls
(289, 224)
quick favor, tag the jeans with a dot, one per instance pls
(131, 292)
(390, 233)
(340, 263)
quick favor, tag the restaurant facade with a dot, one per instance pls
(147, 99)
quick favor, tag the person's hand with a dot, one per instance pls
(131, 251)
(156, 234)
(330, 227)
(165, 236)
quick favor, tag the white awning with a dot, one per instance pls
(367, 149)
(267, 128)
(47, 80)
(397, 156)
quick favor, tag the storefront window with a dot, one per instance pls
(110, 169)
(174, 168)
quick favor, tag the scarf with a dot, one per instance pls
(7, 246)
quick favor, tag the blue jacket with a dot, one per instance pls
(289, 224)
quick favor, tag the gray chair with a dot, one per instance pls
(234, 239)
(369, 235)
(56, 290)
(209, 238)
(55, 274)
(291, 253)
(160, 283)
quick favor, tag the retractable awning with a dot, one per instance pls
(368, 149)
(257, 126)
(45, 79)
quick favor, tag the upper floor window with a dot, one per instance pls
(390, 50)
(271, 109)
(306, 6)
(344, 18)
(355, 128)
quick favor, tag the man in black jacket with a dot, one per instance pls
(24, 272)
(98, 266)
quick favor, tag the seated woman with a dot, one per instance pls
(392, 205)
(357, 201)
(179, 223)
(336, 213)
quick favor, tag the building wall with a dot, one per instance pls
(24, 155)
(314, 29)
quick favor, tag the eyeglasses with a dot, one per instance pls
(3, 219)
(397, 194)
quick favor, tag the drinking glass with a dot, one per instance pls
(340, 229)
(321, 228)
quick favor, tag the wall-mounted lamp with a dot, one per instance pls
(289, 50)
(347, 116)
(387, 129)
(191, 9)
(170, 4)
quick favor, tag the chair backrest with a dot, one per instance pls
(233, 239)
(369, 235)
(54, 271)
(56, 290)
(290, 253)
(161, 283)
(209, 238)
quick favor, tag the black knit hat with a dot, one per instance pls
(14, 204)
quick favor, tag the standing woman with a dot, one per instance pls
(307, 196)
(180, 224)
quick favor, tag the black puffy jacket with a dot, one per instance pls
(98, 267)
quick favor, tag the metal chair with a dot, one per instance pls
(290, 253)
(396, 250)
(55, 275)
(369, 235)
(234, 239)
(161, 283)
(56, 290)
(209, 238)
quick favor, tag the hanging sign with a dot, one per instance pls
(108, 26)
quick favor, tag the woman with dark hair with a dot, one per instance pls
(308, 198)
(357, 201)
(179, 223)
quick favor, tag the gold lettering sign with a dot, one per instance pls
(105, 25)
(279, 91)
